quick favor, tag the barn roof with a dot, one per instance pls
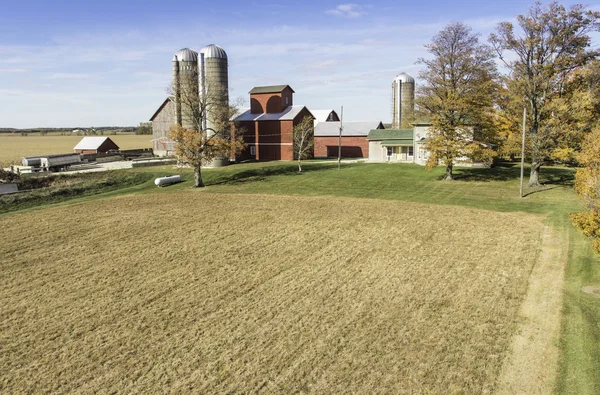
(91, 143)
(289, 114)
(269, 89)
(322, 115)
(167, 100)
(352, 128)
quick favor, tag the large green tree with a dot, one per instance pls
(549, 44)
(457, 95)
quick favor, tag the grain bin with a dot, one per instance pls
(214, 91)
(185, 88)
(403, 101)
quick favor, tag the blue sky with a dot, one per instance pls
(101, 63)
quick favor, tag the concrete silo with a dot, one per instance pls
(403, 101)
(185, 88)
(214, 91)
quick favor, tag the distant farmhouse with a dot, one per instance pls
(95, 145)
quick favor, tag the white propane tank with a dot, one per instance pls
(167, 180)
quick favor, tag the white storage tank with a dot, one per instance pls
(34, 161)
(167, 180)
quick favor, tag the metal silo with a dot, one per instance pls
(403, 101)
(214, 91)
(185, 88)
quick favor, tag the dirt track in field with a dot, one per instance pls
(198, 292)
(533, 363)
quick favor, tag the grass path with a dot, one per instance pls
(532, 367)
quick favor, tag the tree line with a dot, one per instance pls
(552, 74)
(550, 70)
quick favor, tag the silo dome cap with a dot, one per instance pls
(404, 77)
(186, 55)
(213, 51)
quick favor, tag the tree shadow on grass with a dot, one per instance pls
(543, 188)
(506, 171)
(264, 172)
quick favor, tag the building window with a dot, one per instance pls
(287, 99)
(252, 150)
(411, 151)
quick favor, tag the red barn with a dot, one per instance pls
(354, 138)
(268, 124)
(95, 145)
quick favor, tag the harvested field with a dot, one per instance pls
(13, 147)
(205, 293)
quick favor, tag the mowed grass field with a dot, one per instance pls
(191, 291)
(14, 146)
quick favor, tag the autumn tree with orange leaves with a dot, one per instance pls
(587, 185)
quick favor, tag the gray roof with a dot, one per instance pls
(186, 55)
(269, 89)
(404, 77)
(213, 51)
(289, 114)
(91, 143)
(352, 128)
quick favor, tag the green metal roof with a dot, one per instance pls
(391, 134)
(389, 143)
(269, 89)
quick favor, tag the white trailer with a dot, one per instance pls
(58, 162)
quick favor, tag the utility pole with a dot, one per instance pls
(523, 151)
(340, 139)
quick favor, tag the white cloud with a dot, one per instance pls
(69, 76)
(323, 64)
(347, 10)
(13, 71)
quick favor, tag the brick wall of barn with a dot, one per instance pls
(271, 102)
(352, 147)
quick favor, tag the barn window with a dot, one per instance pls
(252, 150)
(287, 100)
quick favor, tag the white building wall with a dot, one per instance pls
(376, 151)
(421, 154)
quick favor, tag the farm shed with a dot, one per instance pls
(95, 145)
(354, 138)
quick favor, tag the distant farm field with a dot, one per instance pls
(14, 146)
(216, 293)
